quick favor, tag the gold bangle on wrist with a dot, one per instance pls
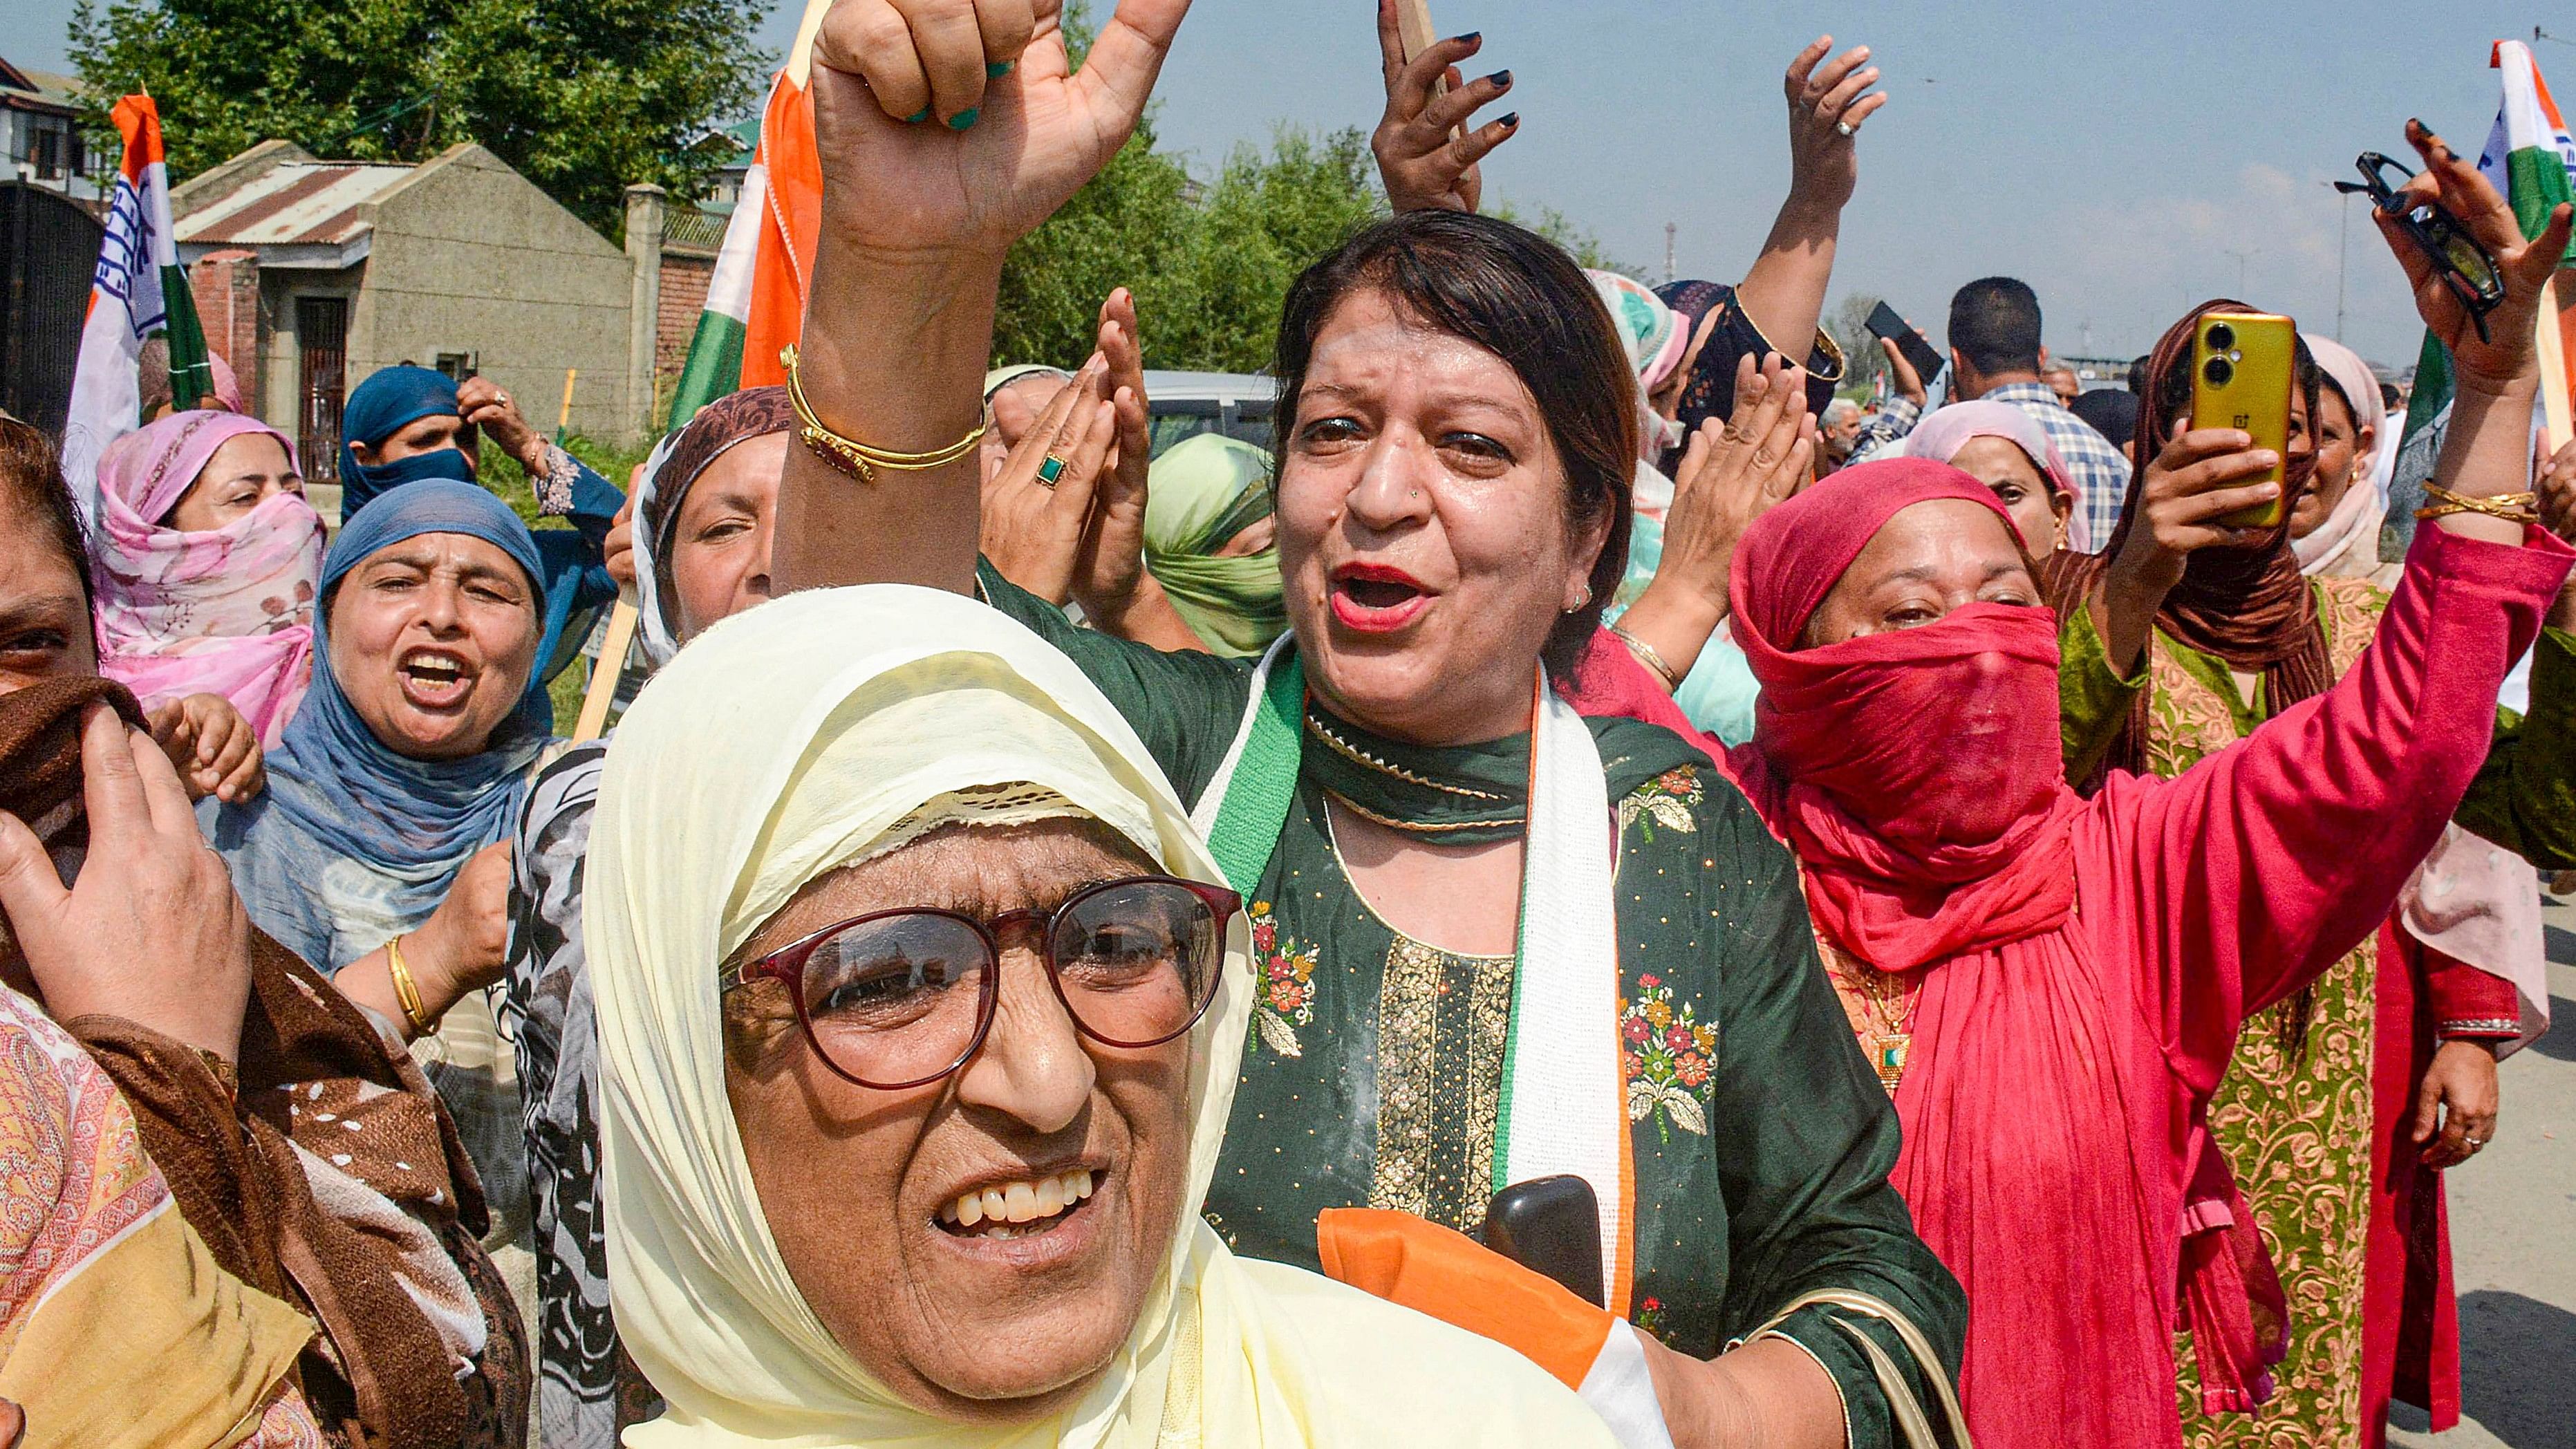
(407, 991)
(856, 458)
(1647, 655)
(2523, 507)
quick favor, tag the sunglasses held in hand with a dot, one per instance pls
(2464, 266)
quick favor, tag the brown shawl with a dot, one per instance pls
(318, 1086)
(2249, 607)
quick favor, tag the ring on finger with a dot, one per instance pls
(1846, 129)
(1050, 469)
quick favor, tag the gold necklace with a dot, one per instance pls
(1879, 1005)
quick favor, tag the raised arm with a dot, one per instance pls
(917, 217)
(1783, 295)
(2258, 868)
(1426, 151)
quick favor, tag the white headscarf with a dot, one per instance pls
(782, 744)
(2346, 545)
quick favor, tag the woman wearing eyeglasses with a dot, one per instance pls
(920, 1010)
(1495, 942)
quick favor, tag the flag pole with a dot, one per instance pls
(607, 671)
(2551, 343)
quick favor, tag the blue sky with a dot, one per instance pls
(2114, 156)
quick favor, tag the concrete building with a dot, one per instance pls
(309, 275)
(40, 138)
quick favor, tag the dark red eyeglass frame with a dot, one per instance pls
(787, 964)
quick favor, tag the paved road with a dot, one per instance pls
(2513, 1245)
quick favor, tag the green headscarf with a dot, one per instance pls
(1201, 493)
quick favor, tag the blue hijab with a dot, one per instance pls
(353, 842)
(383, 405)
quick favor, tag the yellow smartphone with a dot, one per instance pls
(2243, 365)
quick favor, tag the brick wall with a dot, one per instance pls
(226, 287)
(684, 296)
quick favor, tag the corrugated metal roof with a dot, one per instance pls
(297, 203)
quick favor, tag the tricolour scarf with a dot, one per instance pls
(1563, 1108)
(224, 611)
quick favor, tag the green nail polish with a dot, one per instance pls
(964, 119)
(917, 117)
(996, 69)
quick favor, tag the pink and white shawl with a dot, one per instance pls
(226, 611)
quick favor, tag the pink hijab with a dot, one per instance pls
(227, 611)
(1942, 435)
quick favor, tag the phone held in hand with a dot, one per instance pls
(2242, 367)
(2465, 266)
(1551, 1226)
(1887, 322)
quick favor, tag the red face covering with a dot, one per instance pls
(1916, 773)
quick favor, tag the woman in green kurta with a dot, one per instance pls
(1455, 455)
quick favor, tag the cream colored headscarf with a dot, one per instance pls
(782, 744)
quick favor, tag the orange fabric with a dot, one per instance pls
(1431, 1269)
(788, 234)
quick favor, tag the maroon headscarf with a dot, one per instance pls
(2249, 607)
(1915, 773)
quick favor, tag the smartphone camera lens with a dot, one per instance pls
(2221, 337)
(2218, 372)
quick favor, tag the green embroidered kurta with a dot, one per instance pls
(1761, 1141)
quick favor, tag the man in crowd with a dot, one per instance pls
(1840, 426)
(1995, 353)
(2061, 379)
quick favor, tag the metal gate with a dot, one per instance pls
(49, 245)
(322, 383)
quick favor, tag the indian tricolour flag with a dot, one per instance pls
(756, 300)
(138, 291)
(2531, 158)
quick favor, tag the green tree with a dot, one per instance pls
(583, 97)
(1209, 263)
(1862, 359)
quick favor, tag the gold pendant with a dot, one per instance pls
(1887, 1052)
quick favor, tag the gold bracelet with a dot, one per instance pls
(407, 991)
(2523, 507)
(856, 458)
(1647, 655)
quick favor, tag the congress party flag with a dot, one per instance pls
(139, 291)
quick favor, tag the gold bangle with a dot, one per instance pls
(407, 991)
(1647, 655)
(2523, 507)
(856, 458)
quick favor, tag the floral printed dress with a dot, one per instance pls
(1761, 1142)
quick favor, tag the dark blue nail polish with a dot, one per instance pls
(964, 120)
(917, 117)
(1500, 78)
(1508, 122)
(996, 69)
(1471, 37)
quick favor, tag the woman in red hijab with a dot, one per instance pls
(2052, 986)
